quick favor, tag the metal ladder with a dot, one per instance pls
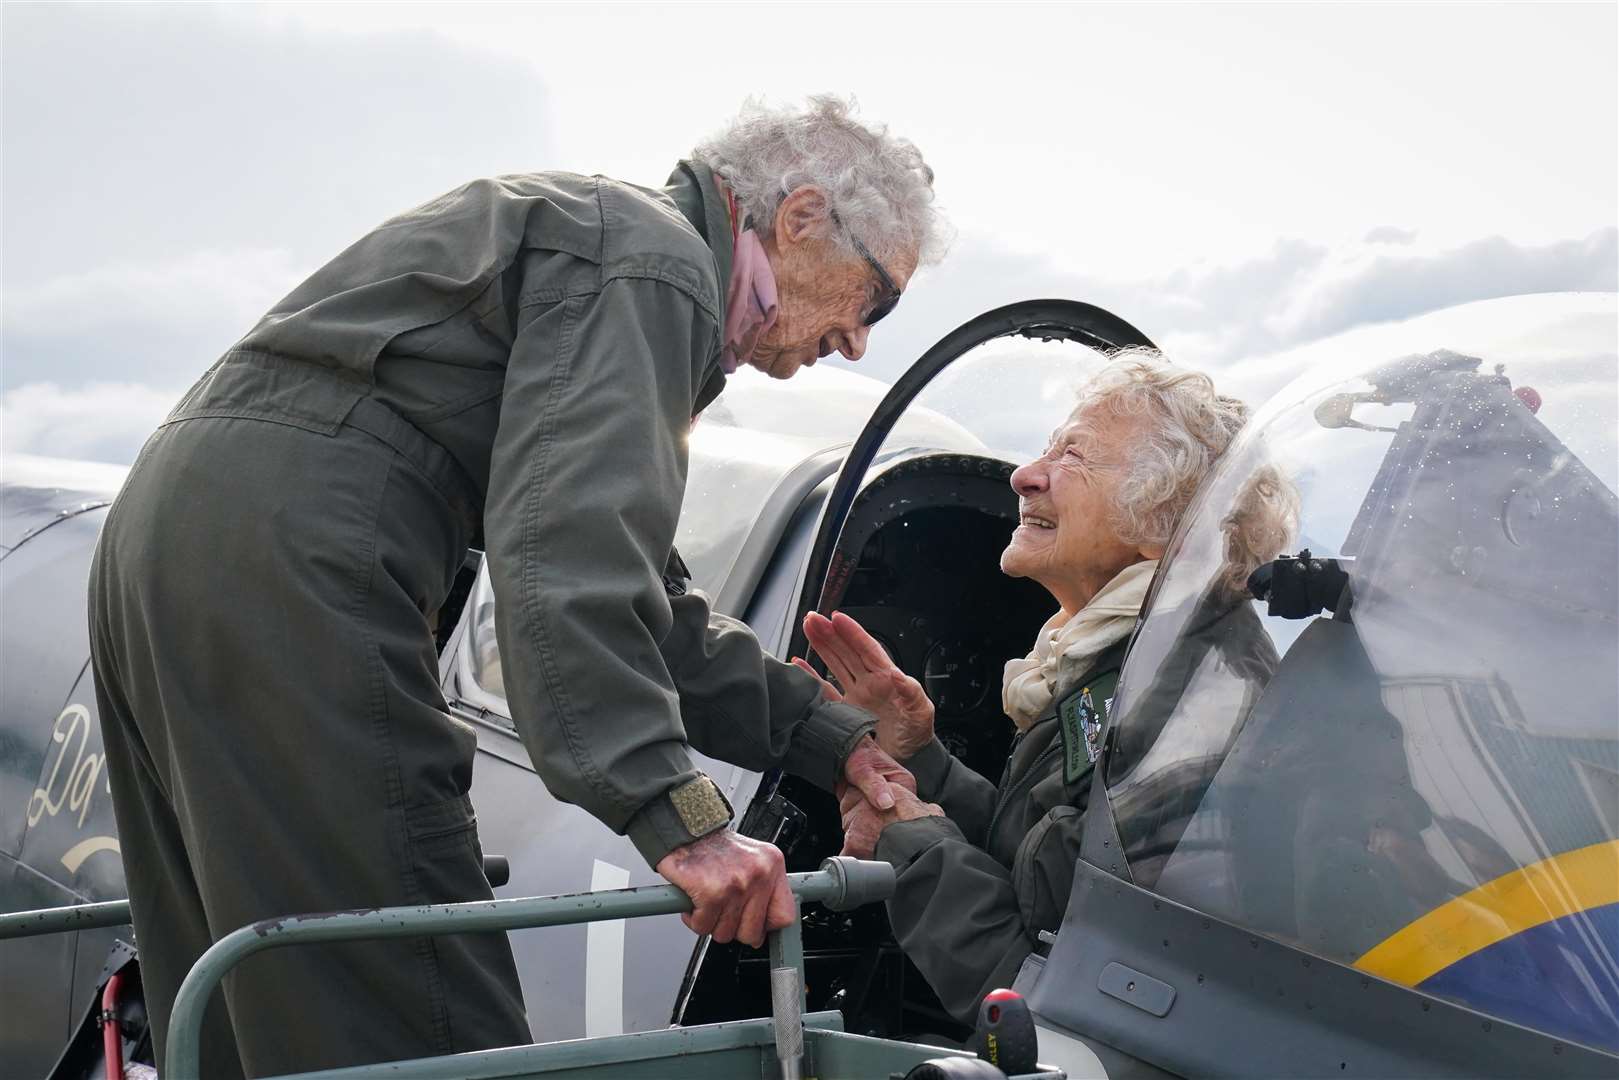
(790, 1043)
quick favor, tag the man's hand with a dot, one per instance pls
(871, 681)
(738, 886)
(869, 773)
(863, 823)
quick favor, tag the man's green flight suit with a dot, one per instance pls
(526, 354)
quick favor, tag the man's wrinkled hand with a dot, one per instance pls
(871, 681)
(874, 776)
(864, 823)
(738, 886)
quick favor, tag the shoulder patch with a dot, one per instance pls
(1075, 718)
(1082, 717)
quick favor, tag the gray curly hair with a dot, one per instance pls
(878, 183)
(1188, 425)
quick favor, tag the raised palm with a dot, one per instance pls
(870, 680)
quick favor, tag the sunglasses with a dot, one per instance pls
(889, 297)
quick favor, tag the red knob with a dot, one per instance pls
(1004, 1035)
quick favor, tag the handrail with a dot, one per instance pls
(840, 884)
(62, 920)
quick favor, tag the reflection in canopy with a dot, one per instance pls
(1426, 783)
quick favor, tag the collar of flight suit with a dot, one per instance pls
(695, 191)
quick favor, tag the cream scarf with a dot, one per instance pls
(1065, 649)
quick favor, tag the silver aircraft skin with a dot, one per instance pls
(893, 504)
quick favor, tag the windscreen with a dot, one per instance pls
(1004, 397)
(1420, 778)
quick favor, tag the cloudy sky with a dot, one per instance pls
(1232, 179)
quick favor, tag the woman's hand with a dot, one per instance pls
(871, 681)
(864, 823)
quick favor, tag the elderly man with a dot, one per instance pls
(522, 356)
(983, 868)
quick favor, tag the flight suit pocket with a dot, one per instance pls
(432, 821)
(446, 857)
(1043, 869)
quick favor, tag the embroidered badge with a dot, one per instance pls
(1076, 756)
(1092, 718)
(1083, 715)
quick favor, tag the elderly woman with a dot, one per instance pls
(520, 358)
(982, 869)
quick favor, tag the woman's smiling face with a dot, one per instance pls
(1067, 538)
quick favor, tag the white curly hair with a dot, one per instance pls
(877, 183)
(1188, 425)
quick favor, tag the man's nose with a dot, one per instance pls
(1029, 479)
(854, 342)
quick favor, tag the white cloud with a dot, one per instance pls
(98, 422)
(145, 321)
(1131, 136)
(1370, 284)
(92, 380)
(222, 133)
(1252, 192)
(227, 286)
(1212, 315)
(1390, 234)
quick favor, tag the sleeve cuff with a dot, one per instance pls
(684, 813)
(904, 841)
(930, 765)
(824, 741)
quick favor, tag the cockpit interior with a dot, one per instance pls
(917, 565)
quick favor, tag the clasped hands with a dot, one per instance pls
(871, 681)
(738, 885)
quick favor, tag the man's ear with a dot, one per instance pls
(801, 216)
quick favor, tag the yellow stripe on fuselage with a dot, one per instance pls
(1550, 889)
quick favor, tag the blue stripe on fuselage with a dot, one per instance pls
(1561, 977)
